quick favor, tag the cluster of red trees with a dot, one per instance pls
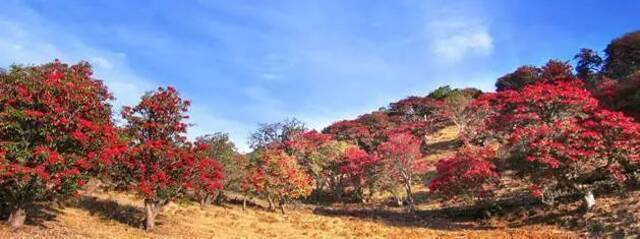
(558, 131)
(56, 132)
(555, 129)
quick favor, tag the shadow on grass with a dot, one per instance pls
(477, 217)
(443, 145)
(37, 213)
(111, 210)
(251, 202)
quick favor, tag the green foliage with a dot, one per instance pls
(440, 92)
(589, 63)
(220, 148)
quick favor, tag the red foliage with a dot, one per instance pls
(350, 130)
(204, 174)
(360, 168)
(401, 164)
(558, 134)
(308, 142)
(401, 156)
(157, 130)
(470, 172)
(414, 115)
(54, 122)
(537, 103)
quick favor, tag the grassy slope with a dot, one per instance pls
(111, 215)
(115, 215)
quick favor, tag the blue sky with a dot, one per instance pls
(247, 62)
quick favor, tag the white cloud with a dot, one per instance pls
(103, 63)
(454, 40)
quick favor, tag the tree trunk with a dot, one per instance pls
(410, 204)
(396, 198)
(17, 217)
(151, 208)
(270, 200)
(282, 207)
(589, 200)
(317, 193)
(205, 200)
(244, 203)
(219, 198)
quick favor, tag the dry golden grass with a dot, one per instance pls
(190, 221)
(442, 143)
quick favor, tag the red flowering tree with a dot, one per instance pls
(401, 165)
(205, 173)
(537, 104)
(362, 171)
(415, 115)
(351, 131)
(470, 173)
(219, 147)
(55, 123)
(156, 129)
(559, 137)
(278, 177)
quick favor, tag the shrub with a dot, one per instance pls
(470, 173)
(361, 171)
(278, 177)
(205, 173)
(156, 131)
(55, 129)
(218, 146)
(401, 165)
(559, 136)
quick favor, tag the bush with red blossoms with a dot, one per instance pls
(401, 165)
(361, 170)
(55, 129)
(155, 165)
(559, 137)
(470, 172)
(205, 174)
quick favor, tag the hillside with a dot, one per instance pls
(117, 215)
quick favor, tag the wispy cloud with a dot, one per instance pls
(31, 42)
(456, 38)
